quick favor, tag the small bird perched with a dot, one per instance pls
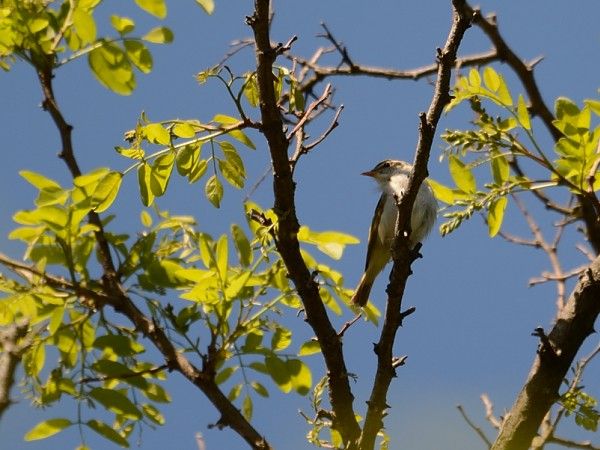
(392, 178)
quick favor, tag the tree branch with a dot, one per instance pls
(574, 324)
(14, 340)
(401, 253)
(114, 294)
(287, 242)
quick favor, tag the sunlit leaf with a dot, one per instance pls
(442, 193)
(157, 8)
(300, 376)
(107, 432)
(214, 191)
(47, 428)
(112, 68)
(159, 35)
(523, 114)
(207, 5)
(123, 25)
(310, 347)
(462, 175)
(116, 402)
(496, 215)
(139, 55)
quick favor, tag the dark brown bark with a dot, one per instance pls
(287, 228)
(386, 363)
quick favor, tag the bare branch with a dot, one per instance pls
(14, 340)
(489, 412)
(287, 242)
(474, 427)
(401, 254)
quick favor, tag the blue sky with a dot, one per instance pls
(471, 331)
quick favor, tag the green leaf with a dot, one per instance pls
(207, 5)
(116, 402)
(441, 192)
(310, 347)
(594, 105)
(225, 374)
(523, 114)
(503, 93)
(332, 243)
(123, 25)
(139, 55)
(231, 173)
(106, 191)
(235, 392)
(187, 159)
(146, 219)
(500, 167)
(153, 414)
(184, 130)
(462, 175)
(107, 432)
(242, 245)
(157, 8)
(118, 344)
(156, 393)
(247, 408)
(39, 181)
(144, 179)
(251, 89)
(47, 428)
(300, 376)
(282, 338)
(241, 136)
(112, 68)
(259, 389)
(161, 173)
(222, 256)
(491, 79)
(278, 371)
(474, 78)
(214, 191)
(159, 35)
(157, 134)
(84, 26)
(496, 215)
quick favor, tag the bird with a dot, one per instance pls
(392, 179)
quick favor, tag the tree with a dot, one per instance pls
(102, 315)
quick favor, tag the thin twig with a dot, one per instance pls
(474, 427)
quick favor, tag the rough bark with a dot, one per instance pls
(555, 356)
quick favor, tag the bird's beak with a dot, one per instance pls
(369, 173)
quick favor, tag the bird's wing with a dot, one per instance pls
(374, 230)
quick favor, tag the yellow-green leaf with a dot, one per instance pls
(310, 347)
(139, 55)
(207, 5)
(278, 371)
(222, 254)
(184, 130)
(242, 245)
(123, 25)
(214, 191)
(144, 177)
(523, 114)
(106, 191)
(300, 376)
(157, 8)
(116, 402)
(491, 79)
(247, 408)
(281, 339)
(462, 175)
(47, 428)
(496, 215)
(442, 193)
(112, 68)
(159, 35)
(39, 181)
(500, 167)
(146, 218)
(161, 173)
(152, 413)
(107, 432)
(157, 134)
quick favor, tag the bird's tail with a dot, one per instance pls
(361, 295)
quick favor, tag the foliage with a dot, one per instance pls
(506, 144)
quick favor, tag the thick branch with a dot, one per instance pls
(287, 243)
(573, 325)
(13, 342)
(400, 250)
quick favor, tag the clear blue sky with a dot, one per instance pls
(471, 332)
